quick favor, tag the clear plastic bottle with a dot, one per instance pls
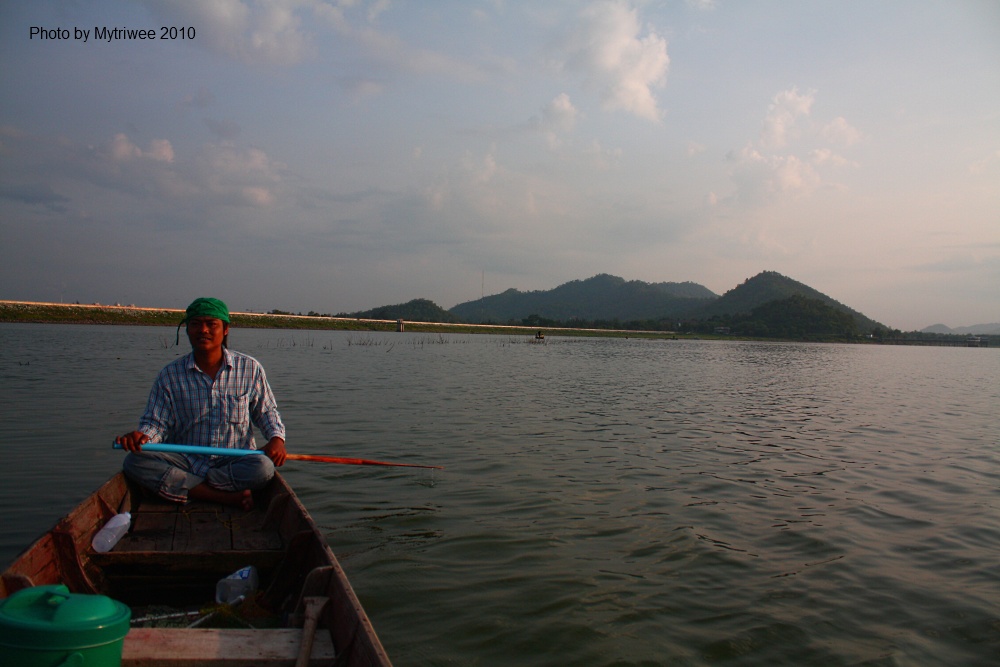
(237, 586)
(108, 536)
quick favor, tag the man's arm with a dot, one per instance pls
(264, 415)
(153, 424)
(275, 450)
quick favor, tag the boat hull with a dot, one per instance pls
(174, 554)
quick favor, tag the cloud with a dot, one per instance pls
(760, 178)
(821, 156)
(839, 131)
(254, 32)
(623, 64)
(237, 176)
(161, 150)
(376, 9)
(123, 150)
(200, 99)
(960, 262)
(983, 165)
(387, 52)
(481, 170)
(786, 108)
(288, 32)
(35, 194)
(557, 119)
(600, 157)
(792, 153)
(228, 130)
(479, 197)
(560, 114)
(61, 175)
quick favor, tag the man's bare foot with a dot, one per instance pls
(242, 499)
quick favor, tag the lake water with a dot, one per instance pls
(604, 501)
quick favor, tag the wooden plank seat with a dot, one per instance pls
(183, 647)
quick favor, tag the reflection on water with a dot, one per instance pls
(604, 502)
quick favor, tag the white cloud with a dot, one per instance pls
(560, 114)
(376, 9)
(160, 149)
(251, 31)
(558, 118)
(201, 99)
(794, 175)
(257, 196)
(761, 178)
(228, 130)
(238, 175)
(822, 156)
(482, 169)
(386, 50)
(600, 157)
(122, 150)
(479, 198)
(792, 155)
(985, 164)
(621, 62)
(839, 131)
(785, 110)
(155, 178)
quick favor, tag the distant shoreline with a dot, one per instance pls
(41, 312)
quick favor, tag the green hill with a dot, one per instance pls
(798, 317)
(418, 310)
(603, 297)
(769, 286)
(768, 304)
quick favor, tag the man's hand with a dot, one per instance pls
(132, 442)
(275, 450)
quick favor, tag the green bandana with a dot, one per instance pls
(207, 307)
(204, 307)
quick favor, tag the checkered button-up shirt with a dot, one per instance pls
(187, 407)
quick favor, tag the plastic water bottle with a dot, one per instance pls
(236, 586)
(108, 536)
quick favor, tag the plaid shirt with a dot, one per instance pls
(186, 407)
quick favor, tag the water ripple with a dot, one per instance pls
(604, 502)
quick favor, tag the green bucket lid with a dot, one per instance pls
(50, 617)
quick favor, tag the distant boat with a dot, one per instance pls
(539, 336)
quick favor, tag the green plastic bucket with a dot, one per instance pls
(47, 626)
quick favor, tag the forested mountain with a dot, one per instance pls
(975, 330)
(768, 305)
(603, 297)
(769, 286)
(798, 317)
(418, 310)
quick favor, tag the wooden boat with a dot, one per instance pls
(172, 558)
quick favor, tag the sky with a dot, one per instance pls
(339, 155)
